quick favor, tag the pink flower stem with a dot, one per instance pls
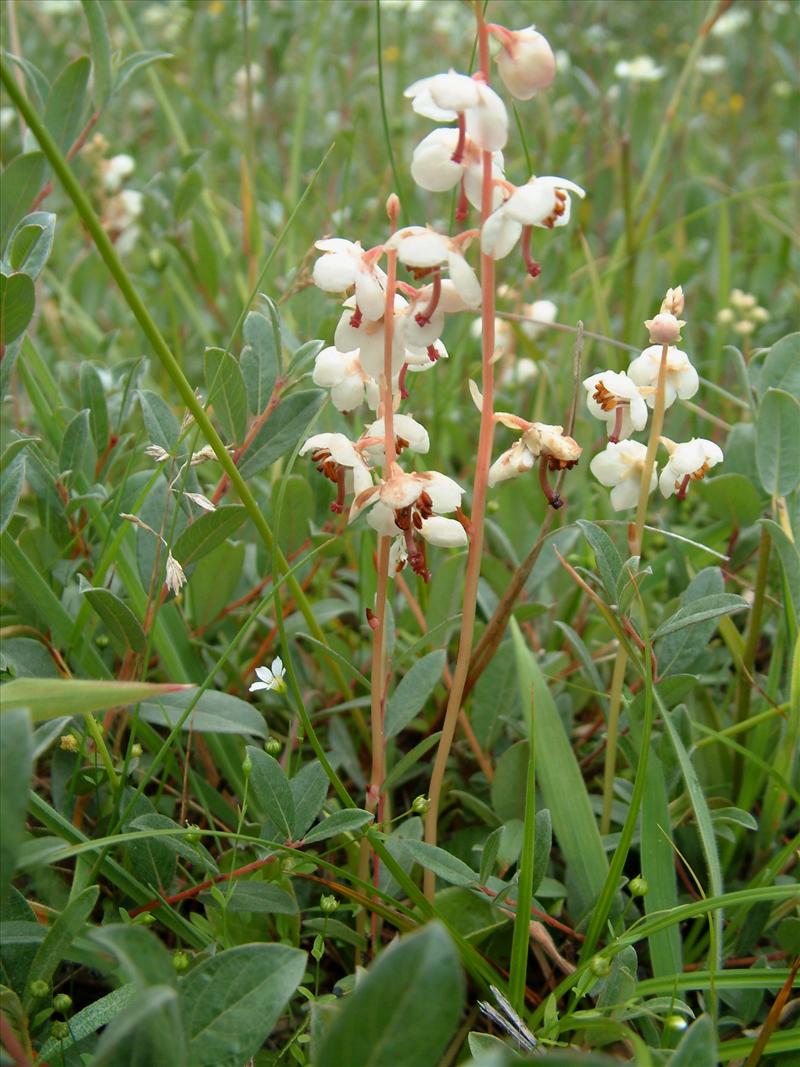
(479, 489)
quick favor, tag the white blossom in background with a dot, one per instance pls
(526, 62)
(270, 678)
(618, 401)
(620, 467)
(120, 217)
(641, 69)
(687, 462)
(711, 64)
(681, 378)
(730, 22)
(341, 462)
(537, 316)
(114, 171)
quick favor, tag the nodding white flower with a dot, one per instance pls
(341, 462)
(175, 578)
(408, 434)
(354, 331)
(687, 462)
(416, 505)
(273, 678)
(617, 400)
(641, 69)
(480, 111)
(664, 328)
(115, 170)
(422, 249)
(681, 379)
(540, 312)
(543, 202)
(434, 168)
(554, 449)
(620, 467)
(344, 266)
(526, 64)
(342, 373)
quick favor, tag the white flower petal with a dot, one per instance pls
(445, 533)
(499, 234)
(465, 280)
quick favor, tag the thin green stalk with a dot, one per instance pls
(612, 735)
(94, 728)
(385, 117)
(518, 967)
(159, 345)
(745, 688)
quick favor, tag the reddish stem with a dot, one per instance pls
(462, 208)
(458, 154)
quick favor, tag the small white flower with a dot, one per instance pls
(433, 167)
(537, 315)
(421, 248)
(273, 678)
(445, 97)
(342, 373)
(620, 467)
(341, 462)
(345, 266)
(526, 64)
(730, 22)
(687, 462)
(409, 434)
(366, 335)
(543, 202)
(175, 578)
(618, 401)
(520, 372)
(641, 69)
(712, 64)
(115, 171)
(681, 379)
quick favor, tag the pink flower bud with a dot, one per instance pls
(664, 329)
(526, 64)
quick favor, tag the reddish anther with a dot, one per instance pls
(532, 267)
(337, 507)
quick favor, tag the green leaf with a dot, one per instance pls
(122, 625)
(16, 768)
(781, 369)
(697, 611)
(226, 393)
(78, 453)
(134, 63)
(10, 489)
(341, 822)
(17, 304)
(271, 789)
(414, 689)
(48, 698)
(194, 854)
(189, 189)
(658, 868)
(778, 442)
(446, 866)
(508, 785)
(232, 1001)
(69, 925)
(282, 430)
(101, 50)
(619, 986)
(38, 86)
(698, 1046)
(21, 180)
(90, 1019)
(137, 952)
(136, 1036)
(677, 651)
(66, 102)
(207, 532)
(213, 713)
(607, 557)
(93, 397)
(162, 427)
(260, 357)
(790, 560)
(262, 898)
(732, 497)
(309, 789)
(406, 1009)
(31, 242)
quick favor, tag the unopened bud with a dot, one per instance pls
(59, 1030)
(726, 316)
(759, 314)
(68, 743)
(664, 329)
(247, 765)
(673, 301)
(62, 1002)
(157, 259)
(393, 209)
(600, 966)
(675, 1022)
(745, 327)
(136, 750)
(180, 961)
(420, 805)
(272, 746)
(328, 904)
(39, 988)
(287, 864)
(526, 63)
(638, 887)
(101, 640)
(193, 834)
(146, 918)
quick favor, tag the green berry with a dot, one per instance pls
(272, 746)
(600, 966)
(638, 887)
(180, 961)
(193, 835)
(675, 1022)
(420, 805)
(247, 765)
(62, 1002)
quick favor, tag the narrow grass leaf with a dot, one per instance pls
(48, 698)
(16, 768)
(658, 869)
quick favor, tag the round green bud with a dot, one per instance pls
(420, 805)
(600, 966)
(62, 1002)
(194, 834)
(136, 751)
(272, 746)
(59, 1030)
(638, 887)
(157, 259)
(101, 640)
(39, 988)
(247, 765)
(145, 919)
(328, 904)
(675, 1022)
(180, 961)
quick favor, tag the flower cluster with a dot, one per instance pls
(120, 207)
(621, 400)
(371, 357)
(745, 314)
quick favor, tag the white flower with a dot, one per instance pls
(273, 678)
(711, 64)
(543, 201)
(537, 315)
(445, 97)
(641, 69)
(342, 373)
(620, 466)
(421, 248)
(357, 332)
(687, 462)
(115, 171)
(345, 266)
(341, 462)
(730, 22)
(408, 434)
(239, 77)
(526, 64)
(434, 168)
(681, 379)
(617, 400)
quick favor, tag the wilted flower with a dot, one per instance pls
(341, 462)
(617, 400)
(270, 678)
(681, 378)
(157, 453)
(175, 578)
(554, 449)
(641, 69)
(620, 467)
(687, 462)
(526, 63)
